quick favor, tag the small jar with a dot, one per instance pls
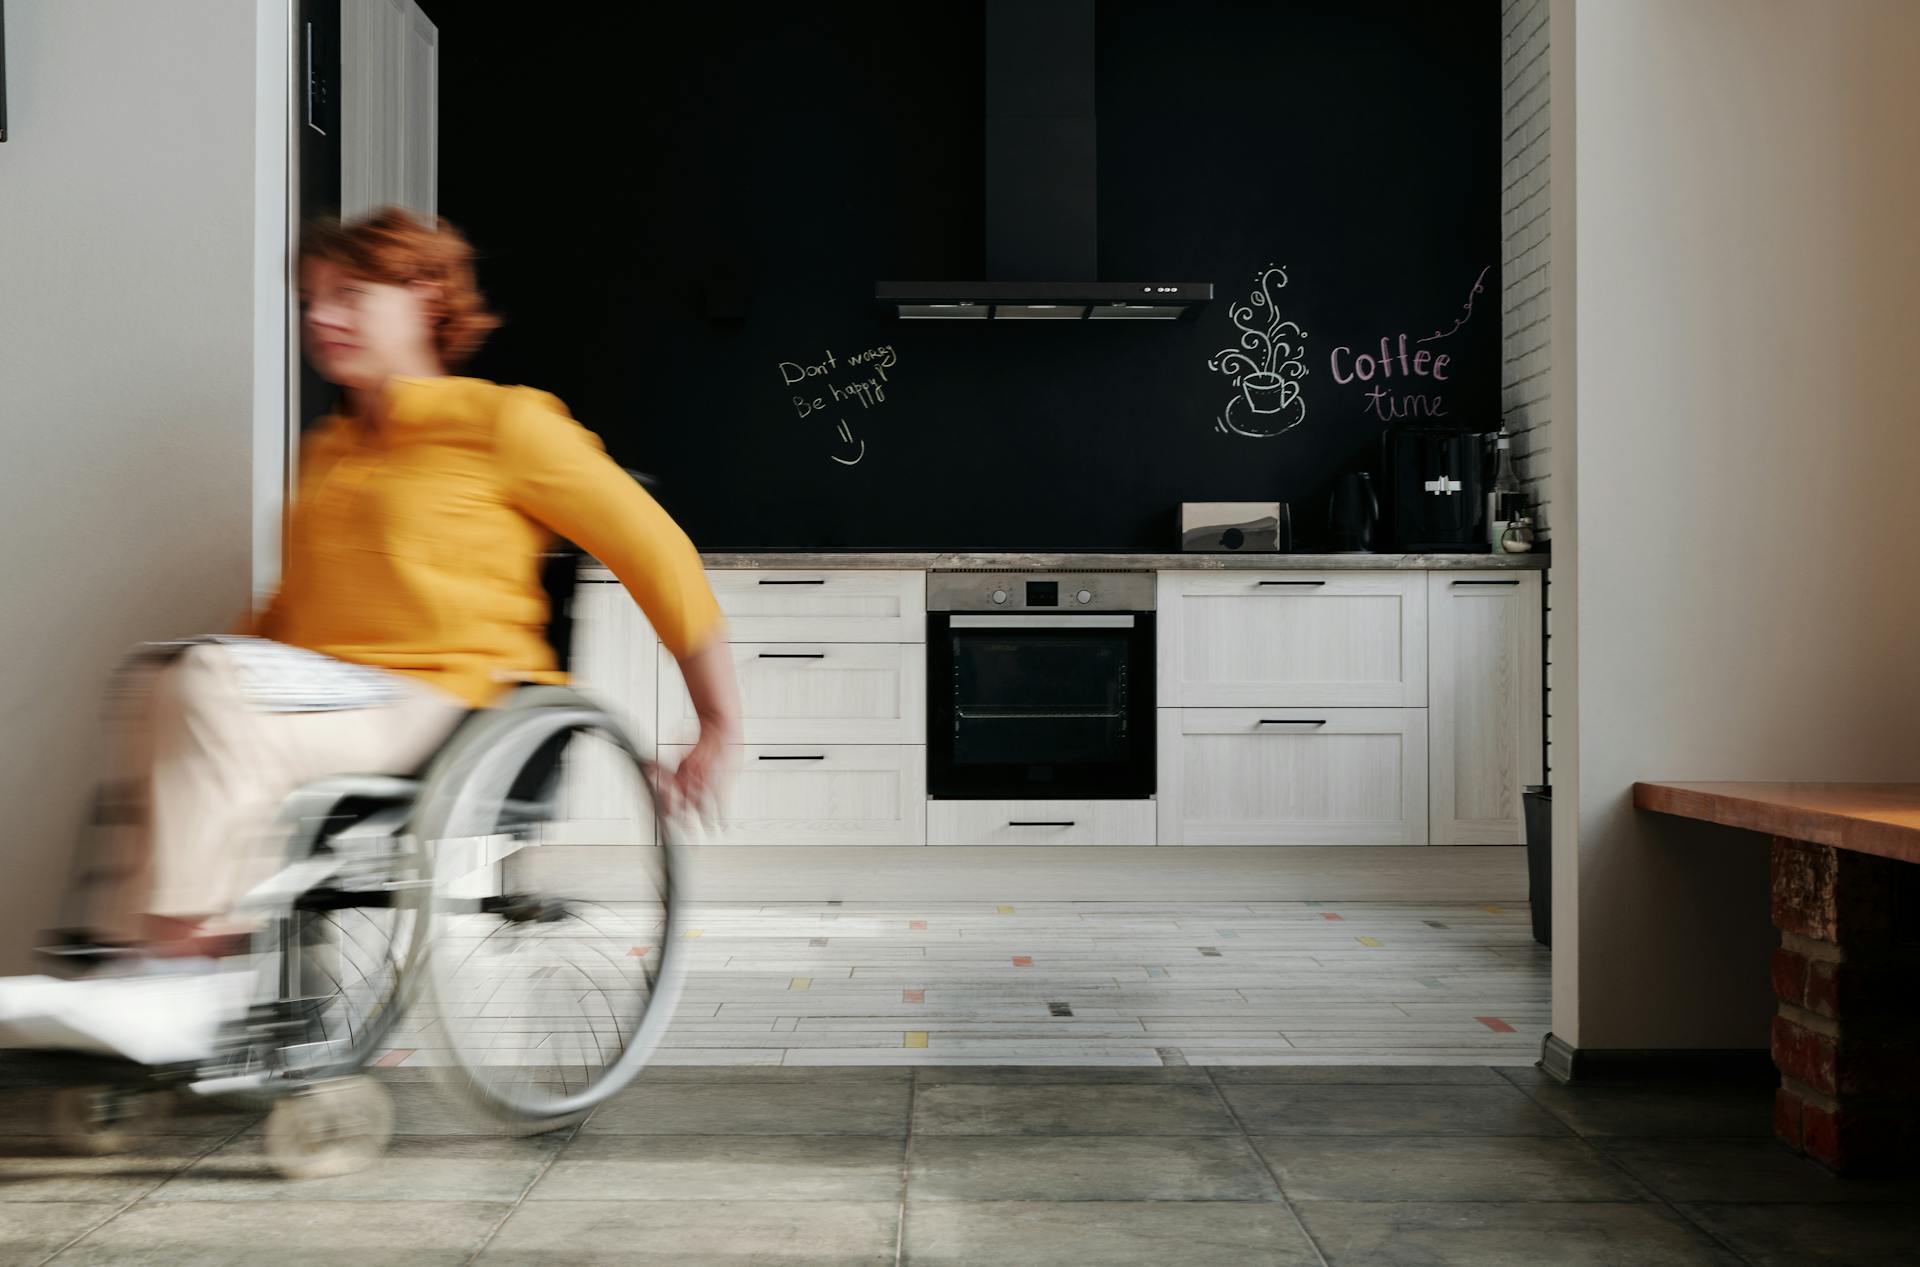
(1518, 538)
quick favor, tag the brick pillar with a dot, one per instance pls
(1847, 1033)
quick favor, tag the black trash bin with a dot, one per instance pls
(1539, 813)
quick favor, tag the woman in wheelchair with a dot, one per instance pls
(412, 564)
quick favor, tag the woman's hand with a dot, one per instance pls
(700, 779)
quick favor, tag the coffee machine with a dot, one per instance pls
(1436, 487)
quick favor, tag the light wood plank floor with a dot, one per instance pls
(1096, 983)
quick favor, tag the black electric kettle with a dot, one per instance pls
(1352, 512)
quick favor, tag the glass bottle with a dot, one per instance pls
(1505, 501)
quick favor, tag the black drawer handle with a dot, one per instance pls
(1513, 582)
(793, 655)
(783, 756)
(1039, 822)
(1293, 721)
(817, 581)
(1289, 582)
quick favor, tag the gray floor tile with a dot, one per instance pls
(1339, 1109)
(793, 1106)
(1086, 1168)
(1745, 1170)
(1428, 1168)
(1034, 1075)
(724, 1075)
(426, 1108)
(31, 1230)
(288, 1234)
(25, 1111)
(697, 1234)
(1068, 1108)
(37, 1169)
(1108, 1233)
(1817, 1235)
(1470, 1075)
(1528, 1234)
(415, 1168)
(1659, 1108)
(726, 1168)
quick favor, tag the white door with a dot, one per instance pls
(613, 662)
(1486, 717)
(829, 794)
(1305, 639)
(1293, 776)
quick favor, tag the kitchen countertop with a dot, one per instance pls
(1076, 561)
(1876, 818)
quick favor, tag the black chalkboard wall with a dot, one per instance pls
(670, 206)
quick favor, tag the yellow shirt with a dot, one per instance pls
(417, 548)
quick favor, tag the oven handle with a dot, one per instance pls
(1040, 622)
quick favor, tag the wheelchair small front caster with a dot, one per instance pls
(102, 1120)
(333, 1127)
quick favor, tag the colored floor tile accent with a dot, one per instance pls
(1156, 972)
(1494, 910)
(800, 983)
(1330, 915)
(916, 923)
(1211, 952)
(693, 933)
(817, 942)
(1005, 910)
(1023, 961)
(914, 1038)
(639, 952)
(1495, 1024)
(1060, 1009)
(1433, 923)
(1368, 941)
(1432, 983)
(913, 996)
(394, 1057)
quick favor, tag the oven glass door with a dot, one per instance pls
(1046, 706)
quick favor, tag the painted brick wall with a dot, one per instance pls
(1523, 213)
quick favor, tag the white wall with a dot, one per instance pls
(1526, 249)
(142, 302)
(1737, 289)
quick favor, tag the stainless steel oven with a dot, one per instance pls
(1040, 685)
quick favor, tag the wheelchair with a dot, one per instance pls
(421, 912)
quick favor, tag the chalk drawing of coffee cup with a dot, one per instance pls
(1266, 364)
(1266, 392)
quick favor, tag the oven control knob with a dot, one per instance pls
(999, 596)
(1084, 596)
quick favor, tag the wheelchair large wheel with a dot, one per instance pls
(552, 959)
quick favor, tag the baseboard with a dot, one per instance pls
(1567, 1064)
(745, 873)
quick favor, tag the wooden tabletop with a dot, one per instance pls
(1876, 818)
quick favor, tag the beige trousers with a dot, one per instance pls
(187, 818)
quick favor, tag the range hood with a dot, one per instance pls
(1042, 187)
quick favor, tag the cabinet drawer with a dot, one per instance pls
(821, 693)
(823, 795)
(1293, 639)
(1040, 823)
(852, 606)
(1279, 776)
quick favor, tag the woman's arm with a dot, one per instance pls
(556, 471)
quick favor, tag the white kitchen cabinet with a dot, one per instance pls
(1084, 822)
(827, 794)
(828, 606)
(613, 662)
(812, 693)
(1234, 639)
(1485, 714)
(1293, 776)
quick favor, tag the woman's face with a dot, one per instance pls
(359, 333)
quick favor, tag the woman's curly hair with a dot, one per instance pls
(394, 246)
